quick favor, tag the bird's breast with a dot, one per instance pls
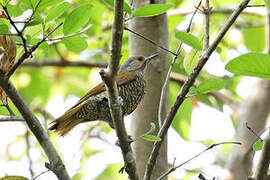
(132, 93)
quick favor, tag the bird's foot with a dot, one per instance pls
(119, 102)
(130, 140)
(123, 169)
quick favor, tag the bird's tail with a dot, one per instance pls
(67, 121)
(64, 124)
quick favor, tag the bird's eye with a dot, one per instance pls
(140, 58)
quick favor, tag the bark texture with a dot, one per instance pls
(155, 28)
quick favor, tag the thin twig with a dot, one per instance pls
(41, 174)
(109, 77)
(183, 92)
(258, 5)
(164, 87)
(5, 104)
(71, 35)
(149, 40)
(30, 51)
(20, 34)
(32, 15)
(207, 11)
(208, 148)
(253, 132)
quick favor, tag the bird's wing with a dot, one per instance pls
(121, 78)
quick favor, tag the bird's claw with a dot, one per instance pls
(130, 140)
(123, 169)
(119, 102)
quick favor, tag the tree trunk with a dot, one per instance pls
(155, 28)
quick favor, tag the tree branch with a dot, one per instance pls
(109, 77)
(191, 79)
(207, 11)
(35, 126)
(55, 63)
(263, 165)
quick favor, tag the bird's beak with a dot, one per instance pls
(149, 58)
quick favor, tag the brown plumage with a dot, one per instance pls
(94, 105)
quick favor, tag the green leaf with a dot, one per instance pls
(189, 39)
(257, 146)
(191, 59)
(14, 10)
(150, 137)
(151, 10)
(3, 29)
(254, 43)
(218, 49)
(13, 178)
(4, 22)
(250, 64)
(47, 3)
(210, 85)
(267, 4)
(126, 6)
(77, 19)
(75, 43)
(57, 11)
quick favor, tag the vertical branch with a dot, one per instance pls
(207, 12)
(184, 90)
(162, 96)
(109, 78)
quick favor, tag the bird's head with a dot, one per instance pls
(136, 63)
